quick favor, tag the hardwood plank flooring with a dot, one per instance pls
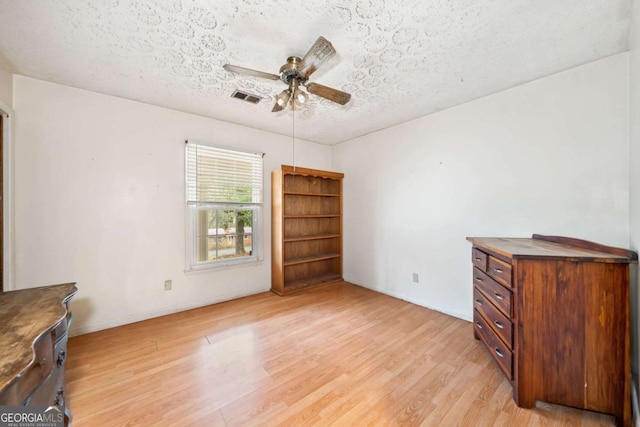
(337, 355)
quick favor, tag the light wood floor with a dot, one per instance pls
(337, 355)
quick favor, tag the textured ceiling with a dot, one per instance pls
(400, 59)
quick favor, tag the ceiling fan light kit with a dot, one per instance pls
(300, 97)
(295, 73)
(281, 100)
(294, 96)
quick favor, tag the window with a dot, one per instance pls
(224, 205)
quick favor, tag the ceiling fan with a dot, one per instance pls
(296, 72)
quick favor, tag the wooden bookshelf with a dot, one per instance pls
(306, 228)
(305, 238)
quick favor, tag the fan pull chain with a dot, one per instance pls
(293, 150)
(293, 136)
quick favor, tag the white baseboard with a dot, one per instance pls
(416, 301)
(87, 328)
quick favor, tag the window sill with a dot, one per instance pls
(209, 268)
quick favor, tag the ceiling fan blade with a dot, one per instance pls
(321, 51)
(329, 93)
(250, 72)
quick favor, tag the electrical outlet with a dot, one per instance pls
(167, 285)
(415, 278)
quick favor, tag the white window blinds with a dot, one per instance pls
(220, 175)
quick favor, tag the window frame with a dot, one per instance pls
(191, 212)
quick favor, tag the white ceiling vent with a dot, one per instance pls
(254, 99)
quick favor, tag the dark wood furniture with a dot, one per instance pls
(33, 345)
(554, 314)
(306, 228)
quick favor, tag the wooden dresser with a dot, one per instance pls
(33, 346)
(554, 314)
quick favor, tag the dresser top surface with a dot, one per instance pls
(25, 315)
(522, 247)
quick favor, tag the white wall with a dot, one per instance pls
(99, 191)
(6, 85)
(634, 169)
(100, 200)
(548, 157)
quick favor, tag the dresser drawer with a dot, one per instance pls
(34, 375)
(51, 391)
(479, 259)
(501, 324)
(496, 347)
(500, 271)
(60, 329)
(498, 294)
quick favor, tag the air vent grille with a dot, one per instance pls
(249, 97)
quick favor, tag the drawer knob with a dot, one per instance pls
(478, 279)
(478, 259)
(499, 353)
(479, 325)
(498, 296)
(498, 324)
(478, 302)
(62, 355)
(59, 399)
(498, 270)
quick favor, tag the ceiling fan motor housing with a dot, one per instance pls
(289, 71)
